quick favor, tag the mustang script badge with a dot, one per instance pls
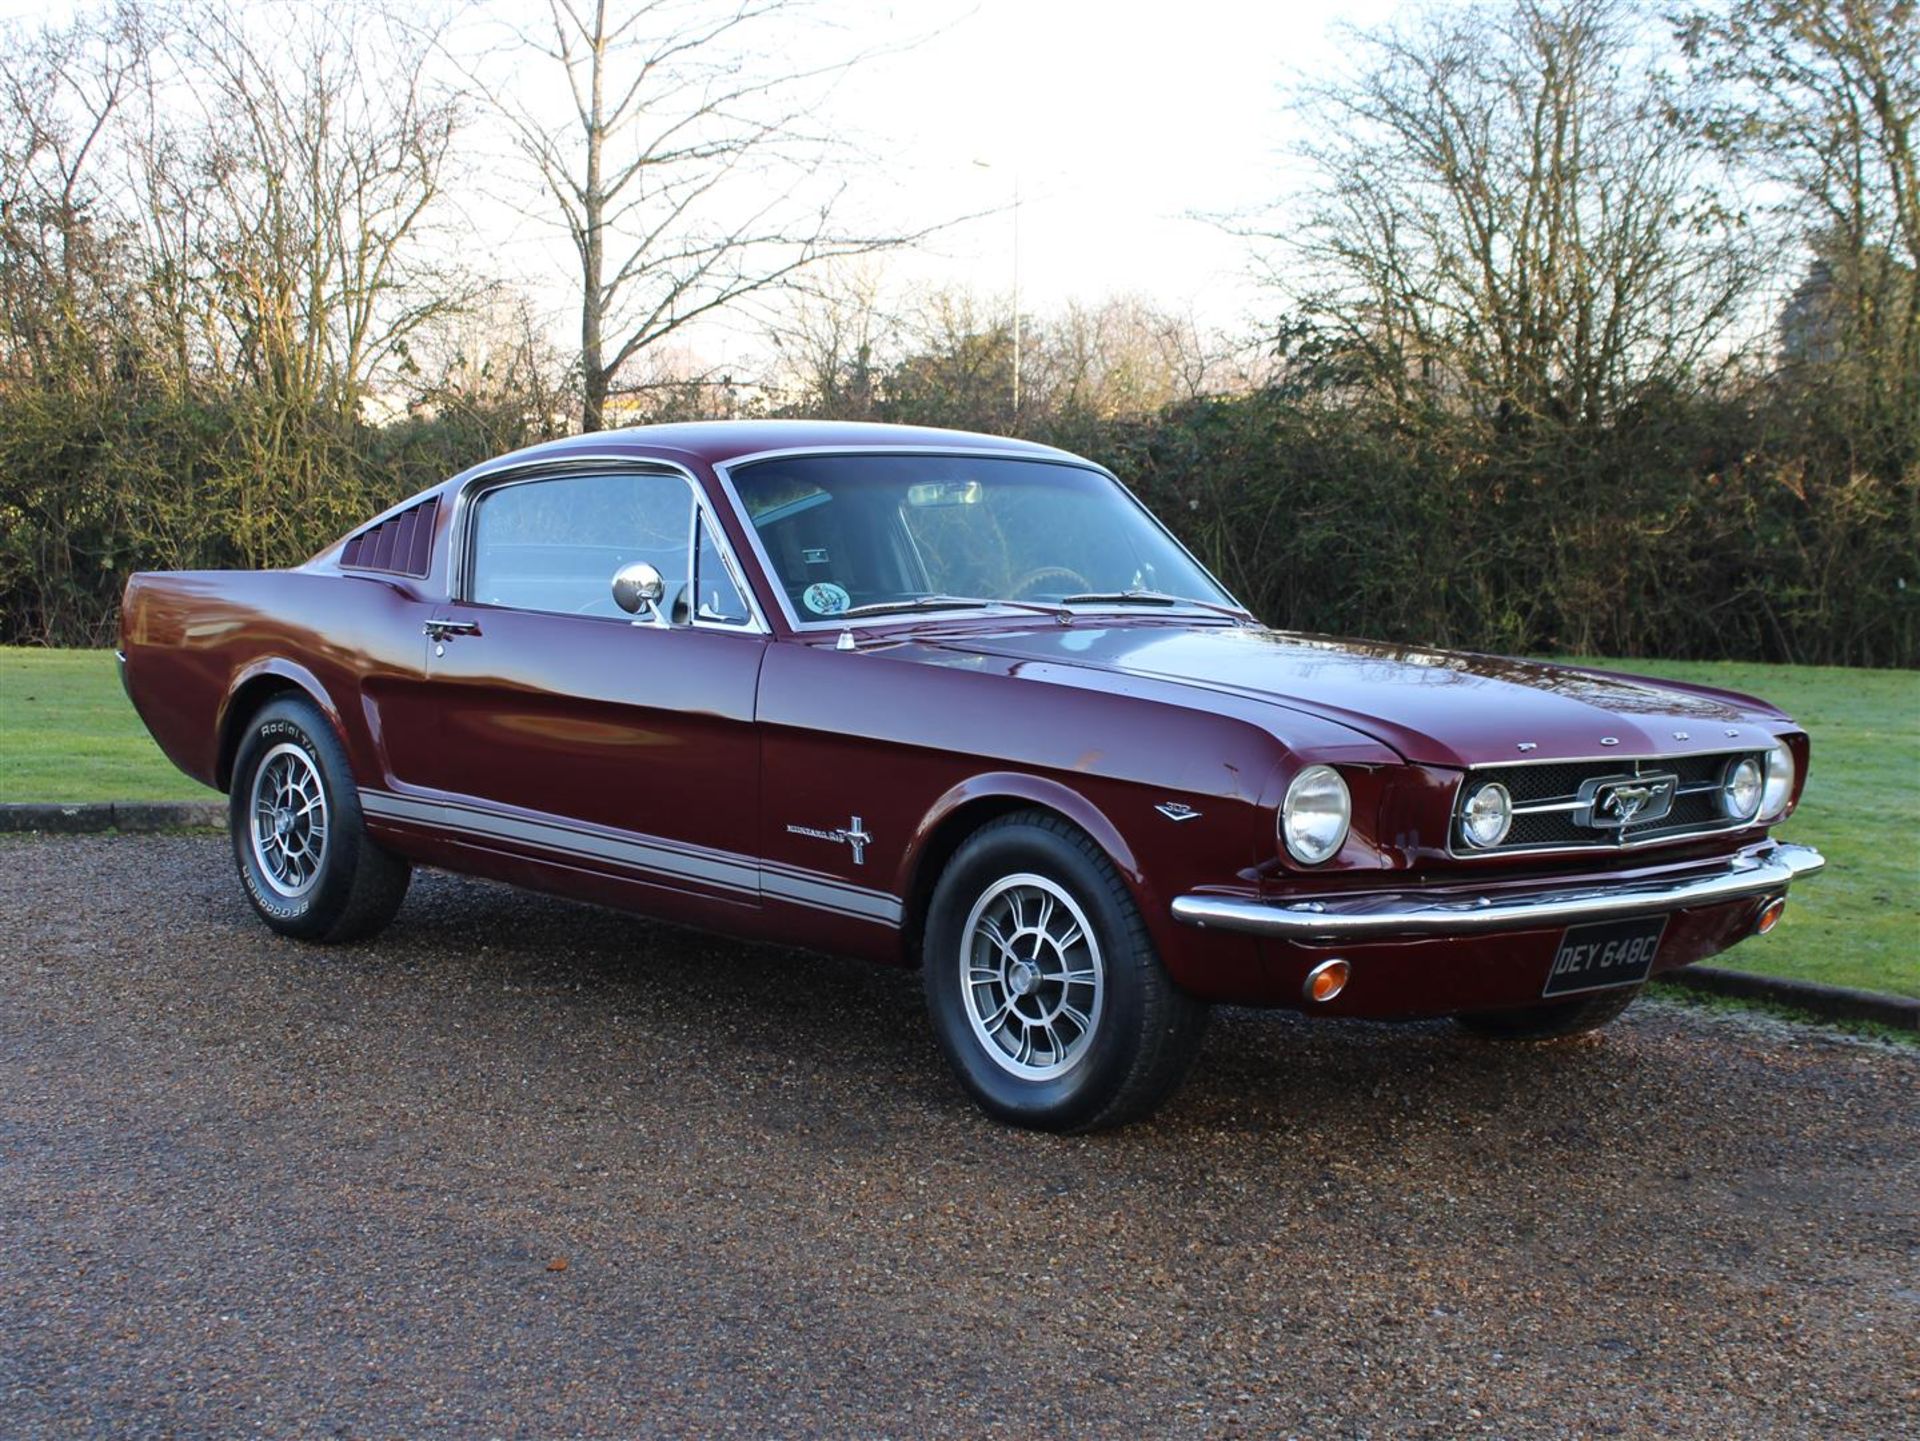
(854, 835)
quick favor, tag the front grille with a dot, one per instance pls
(1695, 809)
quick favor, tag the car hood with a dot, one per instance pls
(1434, 707)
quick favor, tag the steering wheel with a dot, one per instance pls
(1075, 582)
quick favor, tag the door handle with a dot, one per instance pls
(441, 629)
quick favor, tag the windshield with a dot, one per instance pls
(876, 533)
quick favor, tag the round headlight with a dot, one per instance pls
(1487, 816)
(1314, 820)
(1741, 788)
(1779, 788)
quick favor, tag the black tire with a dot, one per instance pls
(1552, 1021)
(353, 887)
(1144, 1033)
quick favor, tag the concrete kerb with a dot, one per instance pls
(1832, 1003)
(90, 817)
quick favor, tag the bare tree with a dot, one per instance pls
(1502, 222)
(318, 156)
(828, 341)
(62, 91)
(687, 172)
(957, 369)
(1825, 96)
(1123, 357)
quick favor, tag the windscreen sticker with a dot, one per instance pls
(814, 555)
(823, 597)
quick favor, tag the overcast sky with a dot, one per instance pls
(1128, 128)
(1123, 124)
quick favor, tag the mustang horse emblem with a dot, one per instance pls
(1626, 802)
(1618, 804)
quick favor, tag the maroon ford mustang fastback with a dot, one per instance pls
(957, 702)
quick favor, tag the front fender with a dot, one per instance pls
(1032, 790)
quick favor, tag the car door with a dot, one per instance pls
(572, 730)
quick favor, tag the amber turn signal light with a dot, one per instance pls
(1326, 980)
(1770, 915)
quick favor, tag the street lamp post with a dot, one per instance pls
(988, 165)
(1016, 297)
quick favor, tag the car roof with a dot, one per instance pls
(716, 442)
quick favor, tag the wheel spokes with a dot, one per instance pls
(1032, 976)
(288, 820)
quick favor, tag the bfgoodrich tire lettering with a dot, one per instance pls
(1043, 986)
(305, 860)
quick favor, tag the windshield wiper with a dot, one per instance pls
(1149, 597)
(949, 602)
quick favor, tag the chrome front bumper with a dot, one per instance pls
(1336, 917)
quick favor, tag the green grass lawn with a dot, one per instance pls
(67, 733)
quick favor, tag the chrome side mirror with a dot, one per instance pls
(638, 587)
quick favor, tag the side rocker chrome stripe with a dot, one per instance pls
(723, 870)
(642, 855)
(825, 893)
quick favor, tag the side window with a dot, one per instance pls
(554, 545)
(716, 596)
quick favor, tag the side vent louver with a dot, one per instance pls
(401, 544)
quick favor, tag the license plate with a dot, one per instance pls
(1612, 953)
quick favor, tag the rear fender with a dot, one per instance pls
(253, 686)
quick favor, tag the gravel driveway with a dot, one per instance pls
(527, 1169)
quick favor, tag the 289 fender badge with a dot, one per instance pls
(1177, 811)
